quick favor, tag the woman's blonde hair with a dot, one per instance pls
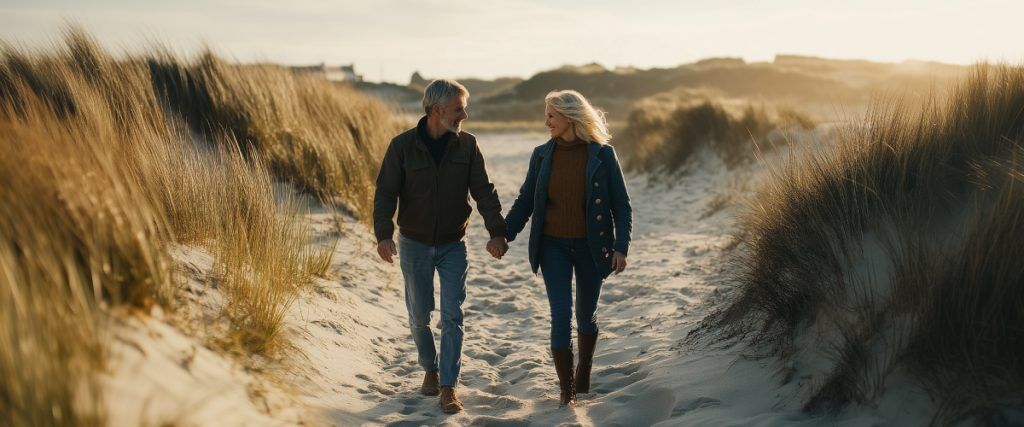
(588, 122)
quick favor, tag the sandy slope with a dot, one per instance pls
(354, 362)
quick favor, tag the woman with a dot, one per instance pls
(582, 220)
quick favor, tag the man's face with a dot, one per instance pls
(453, 113)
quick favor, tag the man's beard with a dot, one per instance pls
(450, 125)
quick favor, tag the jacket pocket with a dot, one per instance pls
(419, 176)
(456, 173)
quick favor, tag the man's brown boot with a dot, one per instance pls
(450, 403)
(430, 385)
(563, 367)
(587, 344)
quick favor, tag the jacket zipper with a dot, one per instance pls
(435, 196)
(437, 183)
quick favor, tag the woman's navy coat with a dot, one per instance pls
(609, 214)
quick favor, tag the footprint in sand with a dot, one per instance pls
(491, 358)
(635, 406)
(482, 282)
(615, 378)
(337, 327)
(518, 376)
(504, 308)
(409, 423)
(499, 422)
(402, 370)
(381, 390)
(614, 297)
(503, 351)
(498, 389)
(690, 405)
(524, 364)
(492, 402)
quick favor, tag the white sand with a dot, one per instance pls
(355, 363)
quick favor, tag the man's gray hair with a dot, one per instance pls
(440, 91)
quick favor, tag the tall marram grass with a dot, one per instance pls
(264, 255)
(321, 136)
(898, 255)
(76, 235)
(107, 164)
(659, 136)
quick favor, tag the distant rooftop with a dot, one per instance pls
(338, 73)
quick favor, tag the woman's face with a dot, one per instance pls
(558, 124)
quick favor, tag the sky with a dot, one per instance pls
(389, 39)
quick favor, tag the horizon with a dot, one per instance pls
(388, 41)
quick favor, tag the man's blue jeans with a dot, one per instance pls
(418, 262)
(559, 257)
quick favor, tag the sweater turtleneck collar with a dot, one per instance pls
(563, 144)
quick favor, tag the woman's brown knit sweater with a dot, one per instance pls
(565, 215)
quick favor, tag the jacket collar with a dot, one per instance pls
(422, 135)
(449, 137)
(548, 148)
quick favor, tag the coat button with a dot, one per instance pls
(599, 217)
(597, 202)
(595, 184)
(604, 249)
(600, 234)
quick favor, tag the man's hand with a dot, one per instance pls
(618, 262)
(386, 249)
(497, 247)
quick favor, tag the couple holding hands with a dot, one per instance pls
(574, 192)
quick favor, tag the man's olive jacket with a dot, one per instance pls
(433, 200)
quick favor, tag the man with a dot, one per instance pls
(428, 172)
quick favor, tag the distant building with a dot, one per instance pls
(341, 73)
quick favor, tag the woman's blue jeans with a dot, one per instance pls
(418, 262)
(559, 258)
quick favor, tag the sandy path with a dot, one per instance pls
(507, 376)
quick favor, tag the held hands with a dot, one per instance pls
(497, 247)
(618, 262)
(386, 249)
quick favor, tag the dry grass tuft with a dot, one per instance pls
(666, 135)
(108, 162)
(263, 255)
(897, 254)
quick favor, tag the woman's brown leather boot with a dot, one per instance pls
(587, 344)
(563, 367)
